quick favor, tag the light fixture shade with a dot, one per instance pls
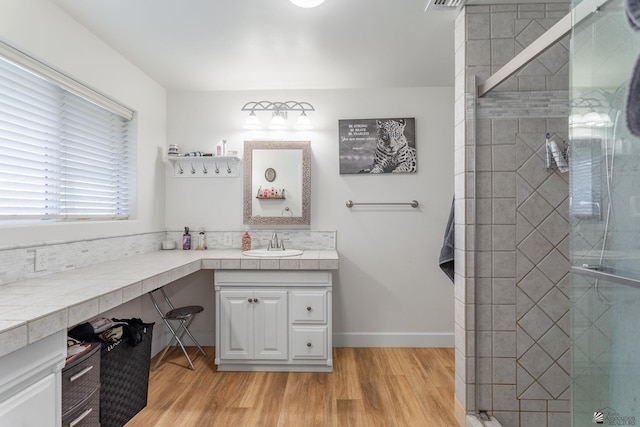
(307, 3)
(576, 119)
(303, 122)
(592, 119)
(277, 122)
(252, 122)
(605, 119)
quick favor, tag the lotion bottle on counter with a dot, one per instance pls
(246, 241)
(186, 239)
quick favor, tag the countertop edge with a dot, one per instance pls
(48, 304)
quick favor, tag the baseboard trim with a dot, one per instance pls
(472, 421)
(340, 339)
(459, 413)
(161, 337)
(393, 339)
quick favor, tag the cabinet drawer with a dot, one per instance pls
(87, 414)
(309, 342)
(80, 378)
(309, 306)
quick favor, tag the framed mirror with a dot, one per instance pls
(277, 182)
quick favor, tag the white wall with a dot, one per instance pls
(40, 29)
(389, 289)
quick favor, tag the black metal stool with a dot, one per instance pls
(183, 315)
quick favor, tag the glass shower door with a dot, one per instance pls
(605, 219)
(606, 351)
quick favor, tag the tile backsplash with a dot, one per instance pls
(18, 263)
(293, 239)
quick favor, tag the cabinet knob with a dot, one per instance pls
(309, 308)
(308, 344)
(255, 300)
(250, 300)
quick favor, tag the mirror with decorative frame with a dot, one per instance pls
(277, 182)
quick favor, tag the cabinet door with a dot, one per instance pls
(33, 406)
(236, 324)
(271, 325)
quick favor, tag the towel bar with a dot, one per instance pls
(413, 204)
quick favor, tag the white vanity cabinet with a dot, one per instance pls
(31, 384)
(273, 320)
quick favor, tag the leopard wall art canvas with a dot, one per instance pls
(375, 146)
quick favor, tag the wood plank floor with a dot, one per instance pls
(370, 387)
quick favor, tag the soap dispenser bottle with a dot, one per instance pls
(246, 241)
(186, 239)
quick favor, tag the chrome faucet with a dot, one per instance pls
(274, 243)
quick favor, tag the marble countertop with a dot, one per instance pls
(35, 308)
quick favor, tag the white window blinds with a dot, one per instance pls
(62, 157)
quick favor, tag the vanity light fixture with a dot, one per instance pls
(279, 114)
(590, 119)
(587, 112)
(307, 3)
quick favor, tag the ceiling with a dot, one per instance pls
(272, 44)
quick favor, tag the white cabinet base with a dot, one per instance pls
(32, 406)
(273, 321)
(31, 383)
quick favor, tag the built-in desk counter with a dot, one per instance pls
(33, 309)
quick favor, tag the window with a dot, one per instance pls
(61, 155)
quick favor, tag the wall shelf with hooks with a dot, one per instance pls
(204, 166)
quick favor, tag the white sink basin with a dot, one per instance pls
(272, 254)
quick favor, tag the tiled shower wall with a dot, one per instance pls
(512, 250)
